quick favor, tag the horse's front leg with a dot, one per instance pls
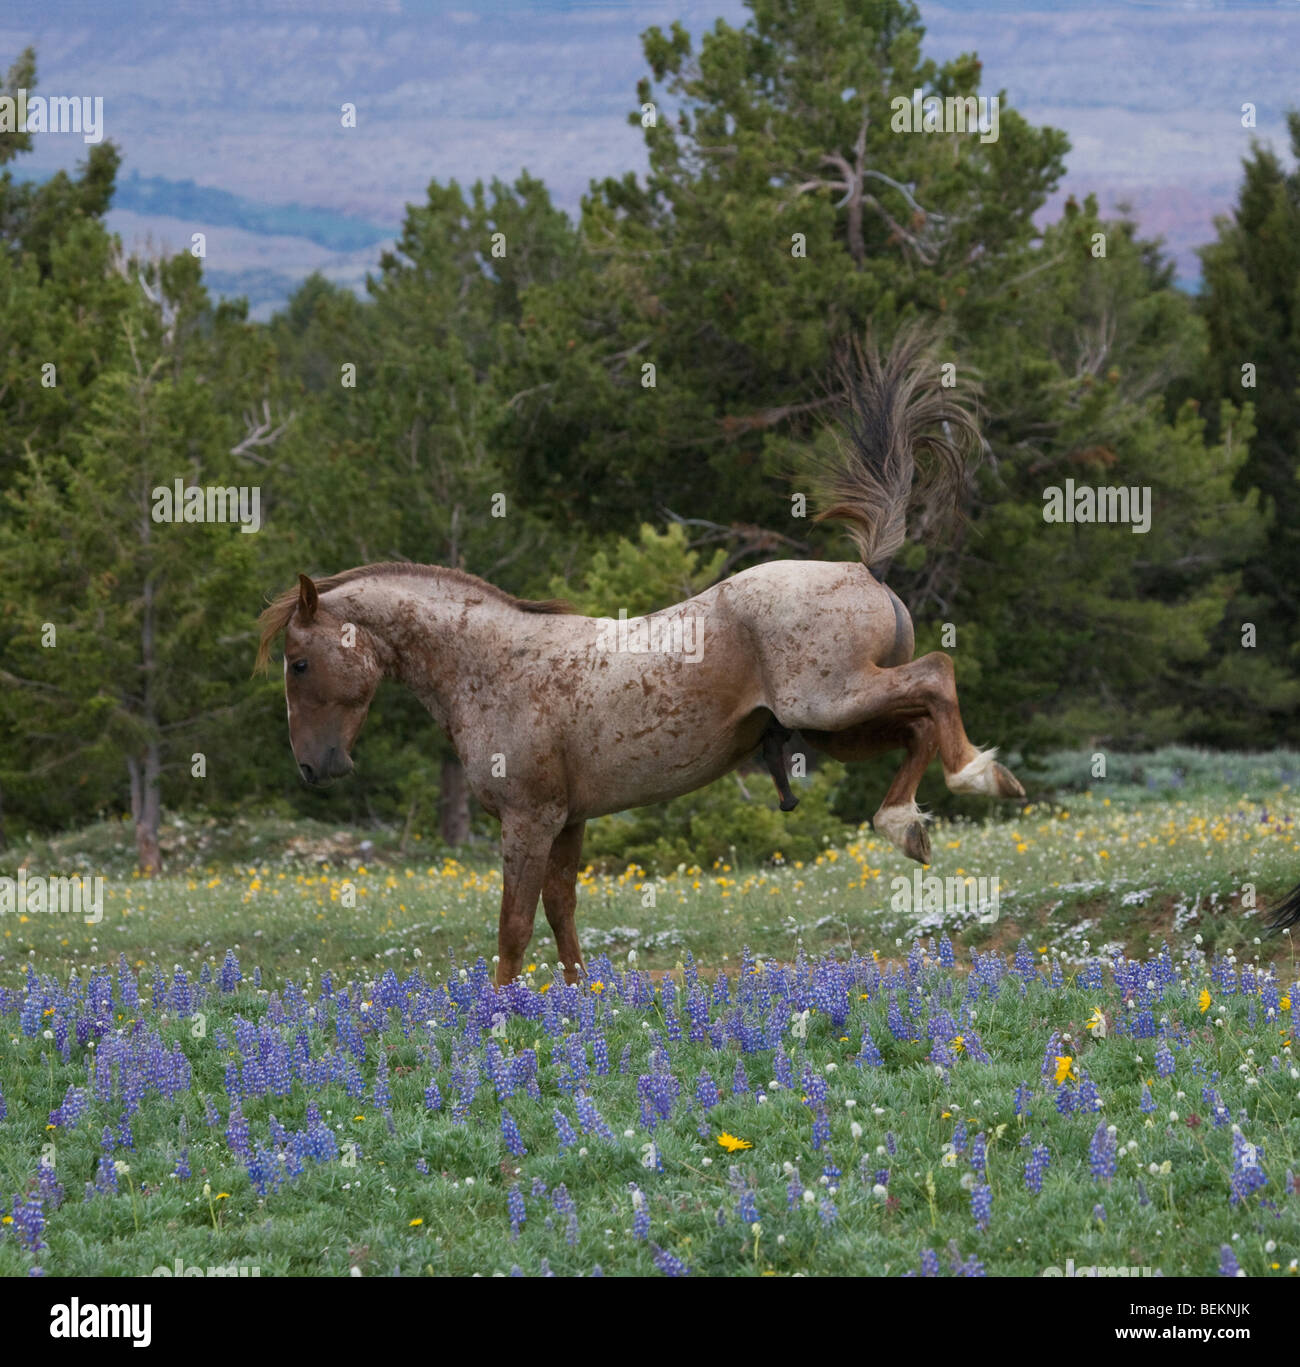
(560, 898)
(525, 848)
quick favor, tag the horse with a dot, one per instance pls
(559, 717)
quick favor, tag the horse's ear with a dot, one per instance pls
(308, 600)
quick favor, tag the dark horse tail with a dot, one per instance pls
(1287, 911)
(894, 411)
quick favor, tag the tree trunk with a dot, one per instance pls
(453, 803)
(146, 807)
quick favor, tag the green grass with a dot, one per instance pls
(1076, 880)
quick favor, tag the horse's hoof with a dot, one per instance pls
(790, 804)
(916, 843)
(1008, 784)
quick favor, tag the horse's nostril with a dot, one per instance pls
(308, 772)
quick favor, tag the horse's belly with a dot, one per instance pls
(641, 774)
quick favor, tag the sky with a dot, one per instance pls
(227, 115)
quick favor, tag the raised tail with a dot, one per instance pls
(1287, 911)
(895, 411)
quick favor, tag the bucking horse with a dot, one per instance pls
(557, 721)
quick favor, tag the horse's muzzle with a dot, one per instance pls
(335, 764)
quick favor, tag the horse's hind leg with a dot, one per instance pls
(898, 819)
(925, 687)
(560, 898)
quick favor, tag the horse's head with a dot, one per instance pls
(331, 672)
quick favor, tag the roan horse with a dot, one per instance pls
(555, 724)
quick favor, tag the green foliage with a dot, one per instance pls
(733, 821)
(1251, 306)
(659, 569)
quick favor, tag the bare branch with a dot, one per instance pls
(264, 433)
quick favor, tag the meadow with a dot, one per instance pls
(291, 1066)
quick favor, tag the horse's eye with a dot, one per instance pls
(299, 666)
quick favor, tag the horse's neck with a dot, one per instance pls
(433, 635)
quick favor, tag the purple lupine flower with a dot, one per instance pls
(230, 974)
(783, 1068)
(1228, 1264)
(106, 1176)
(827, 1211)
(562, 1201)
(981, 1204)
(959, 1137)
(978, 1152)
(182, 1168)
(1165, 1063)
(571, 1230)
(747, 1208)
(739, 1082)
(515, 1205)
(568, 1136)
(432, 1097)
(1102, 1153)
(29, 1223)
(669, 1265)
(237, 1132)
(869, 1053)
(71, 1109)
(706, 1090)
(1247, 1173)
(48, 1187)
(1039, 1161)
(1099, 1213)
(641, 1216)
(1147, 1103)
(510, 1133)
(794, 1190)
(1024, 1095)
(422, 1166)
(1088, 1098)
(590, 1119)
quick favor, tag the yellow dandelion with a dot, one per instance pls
(415, 1223)
(732, 1144)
